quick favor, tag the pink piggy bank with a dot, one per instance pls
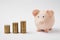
(44, 20)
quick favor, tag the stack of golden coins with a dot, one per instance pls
(23, 26)
(7, 28)
(15, 27)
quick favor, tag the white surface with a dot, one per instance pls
(17, 10)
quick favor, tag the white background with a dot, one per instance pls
(17, 10)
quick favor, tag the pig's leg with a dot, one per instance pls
(50, 29)
(38, 30)
(46, 30)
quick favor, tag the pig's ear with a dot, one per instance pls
(50, 12)
(35, 12)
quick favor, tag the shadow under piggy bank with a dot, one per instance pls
(55, 30)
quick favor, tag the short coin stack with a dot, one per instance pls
(7, 28)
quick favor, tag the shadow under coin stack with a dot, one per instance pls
(23, 26)
(7, 28)
(15, 27)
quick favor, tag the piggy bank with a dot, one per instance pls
(44, 19)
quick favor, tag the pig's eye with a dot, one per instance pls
(38, 16)
(43, 16)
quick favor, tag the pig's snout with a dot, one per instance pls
(41, 22)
